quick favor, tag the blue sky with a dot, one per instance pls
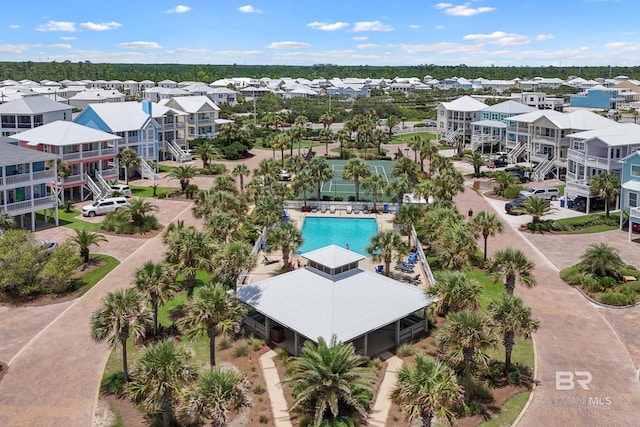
(306, 32)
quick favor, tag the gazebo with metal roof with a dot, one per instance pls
(333, 298)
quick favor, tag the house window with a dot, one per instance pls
(633, 200)
(635, 170)
(8, 121)
(24, 122)
(37, 120)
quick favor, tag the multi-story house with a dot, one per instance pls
(630, 191)
(133, 123)
(539, 100)
(30, 112)
(203, 115)
(28, 180)
(492, 121)
(542, 137)
(598, 97)
(597, 151)
(454, 118)
(91, 155)
(172, 130)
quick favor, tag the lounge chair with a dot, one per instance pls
(380, 269)
(332, 209)
(365, 209)
(385, 208)
(269, 261)
(356, 210)
(323, 209)
(404, 268)
(349, 209)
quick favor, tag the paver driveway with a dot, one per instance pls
(575, 336)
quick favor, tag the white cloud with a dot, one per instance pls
(370, 46)
(544, 36)
(57, 26)
(179, 9)
(288, 45)
(186, 50)
(240, 52)
(371, 26)
(414, 26)
(439, 27)
(463, 9)
(328, 27)
(360, 38)
(14, 26)
(59, 46)
(623, 46)
(67, 38)
(249, 9)
(500, 38)
(13, 48)
(141, 45)
(443, 48)
(104, 26)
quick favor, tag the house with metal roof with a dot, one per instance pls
(90, 154)
(203, 115)
(28, 181)
(29, 112)
(333, 298)
(492, 124)
(454, 118)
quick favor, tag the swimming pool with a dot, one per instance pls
(323, 231)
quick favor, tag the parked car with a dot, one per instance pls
(285, 175)
(512, 206)
(121, 189)
(104, 206)
(498, 163)
(595, 204)
(546, 193)
(635, 227)
(48, 245)
(520, 173)
(432, 124)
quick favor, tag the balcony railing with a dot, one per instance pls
(602, 162)
(634, 212)
(27, 177)
(580, 188)
(108, 173)
(31, 205)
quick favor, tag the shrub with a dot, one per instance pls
(376, 363)
(255, 343)
(514, 377)
(512, 191)
(214, 169)
(190, 190)
(114, 383)
(474, 408)
(240, 350)
(617, 298)
(235, 151)
(572, 275)
(224, 343)
(540, 227)
(608, 282)
(351, 198)
(258, 389)
(263, 419)
(630, 287)
(591, 284)
(404, 350)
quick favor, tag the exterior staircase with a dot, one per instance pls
(451, 135)
(146, 171)
(542, 169)
(514, 154)
(98, 191)
(178, 153)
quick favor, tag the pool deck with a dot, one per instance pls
(262, 271)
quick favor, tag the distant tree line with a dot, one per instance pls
(57, 71)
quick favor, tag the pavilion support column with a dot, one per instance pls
(397, 333)
(267, 326)
(426, 318)
(295, 343)
(366, 344)
(33, 220)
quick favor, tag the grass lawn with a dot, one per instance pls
(403, 139)
(69, 220)
(509, 412)
(147, 191)
(94, 276)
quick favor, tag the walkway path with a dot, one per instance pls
(575, 336)
(279, 406)
(382, 405)
(53, 379)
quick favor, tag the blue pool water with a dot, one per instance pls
(324, 231)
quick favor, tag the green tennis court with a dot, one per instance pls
(344, 188)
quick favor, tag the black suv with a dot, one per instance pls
(518, 172)
(510, 207)
(595, 204)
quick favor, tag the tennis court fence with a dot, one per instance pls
(340, 206)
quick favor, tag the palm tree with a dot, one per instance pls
(404, 167)
(409, 215)
(513, 266)
(327, 119)
(282, 141)
(427, 151)
(326, 137)
(268, 210)
(415, 143)
(241, 170)
(512, 319)
(449, 183)
(602, 260)
(374, 184)
(269, 170)
(120, 314)
(206, 150)
(184, 174)
(212, 311)
(606, 186)
(475, 159)
(221, 226)
(128, 158)
(328, 378)
(398, 188)
(465, 337)
(355, 170)
(427, 390)
(455, 292)
(440, 164)
(504, 180)
(189, 251)
(156, 282)
(379, 137)
(138, 208)
(487, 224)
(161, 373)
(392, 121)
(295, 164)
(284, 236)
(536, 207)
(173, 227)
(320, 171)
(455, 245)
(85, 239)
(384, 245)
(225, 183)
(303, 182)
(232, 260)
(343, 136)
(215, 394)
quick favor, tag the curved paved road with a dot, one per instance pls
(575, 335)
